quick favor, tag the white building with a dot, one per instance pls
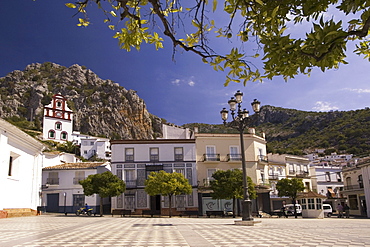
(329, 181)
(288, 166)
(20, 171)
(95, 146)
(61, 191)
(58, 120)
(133, 160)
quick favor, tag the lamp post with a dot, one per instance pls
(240, 121)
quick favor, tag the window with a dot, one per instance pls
(58, 125)
(339, 177)
(51, 134)
(305, 168)
(353, 202)
(79, 175)
(179, 154)
(78, 200)
(298, 169)
(59, 104)
(348, 181)
(63, 135)
(234, 153)
(311, 203)
(130, 178)
(303, 202)
(327, 176)
(211, 153)
(209, 176)
(10, 169)
(130, 201)
(180, 170)
(318, 203)
(92, 143)
(85, 151)
(360, 181)
(307, 185)
(291, 169)
(154, 154)
(129, 154)
(53, 178)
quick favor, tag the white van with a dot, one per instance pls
(328, 210)
(290, 210)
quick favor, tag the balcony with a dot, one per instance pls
(52, 181)
(354, 187)
(234, 157)
(76, 180)
(302, 174)
(211, 157)
(129, 158)
(154, 157)
(262, 158)
(179, 157)
(273, 176)
(131, 183)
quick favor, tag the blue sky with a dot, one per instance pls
(184, 91)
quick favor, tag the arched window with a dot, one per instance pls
(58, 125)
(59, 104)
(63, 135)
(51, 134)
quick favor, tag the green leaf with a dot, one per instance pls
(71, 5)
(214, 5)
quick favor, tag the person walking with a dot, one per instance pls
(340, 210)
(346, 210)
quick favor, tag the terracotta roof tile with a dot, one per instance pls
(78, 165)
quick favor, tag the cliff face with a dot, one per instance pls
(101, 107)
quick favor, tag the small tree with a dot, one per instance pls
(167, 184)
(104, 184)
(229, 185)
(290, 188)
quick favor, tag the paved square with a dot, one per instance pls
(60, 230)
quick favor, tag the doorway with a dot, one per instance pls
(155, 204)
(52, 203)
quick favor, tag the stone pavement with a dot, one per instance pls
(60, 230)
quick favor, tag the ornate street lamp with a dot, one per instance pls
(240, 121)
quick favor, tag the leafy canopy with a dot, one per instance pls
(167, 184)
(104, 184)
(229, 185)
(264, 27)
(290, 187)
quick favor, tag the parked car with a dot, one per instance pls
(290, 210)
(328, 210)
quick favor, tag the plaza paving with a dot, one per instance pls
(60, 230)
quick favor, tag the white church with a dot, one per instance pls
(58, 120)
(58, 126)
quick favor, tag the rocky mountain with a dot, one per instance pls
(101, 107)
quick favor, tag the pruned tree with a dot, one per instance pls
(167, 184)
(264, 27)
(290, 188)
(104, 184)
(229, 185)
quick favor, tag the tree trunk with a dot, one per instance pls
(234, 207)
(170, 200)
(295, 210)
(101, 206)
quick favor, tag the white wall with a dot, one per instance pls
(20, 189)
